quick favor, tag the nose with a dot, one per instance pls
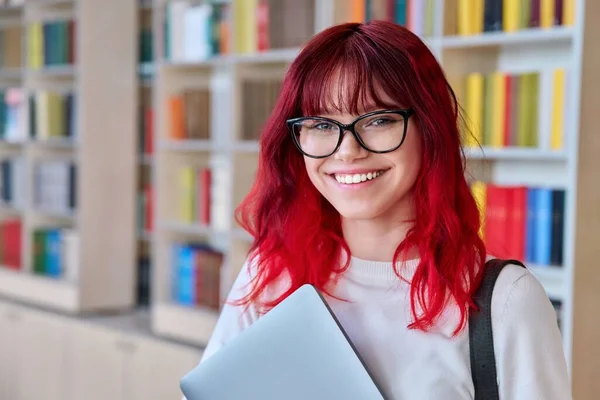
(350, 149)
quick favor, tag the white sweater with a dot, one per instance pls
(411, 364)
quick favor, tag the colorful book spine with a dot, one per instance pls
(526, 223)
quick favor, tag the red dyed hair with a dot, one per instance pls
(298, 233)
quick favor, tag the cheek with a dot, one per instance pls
(312, 169)
(408, 161)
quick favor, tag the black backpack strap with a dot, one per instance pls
(481, 341)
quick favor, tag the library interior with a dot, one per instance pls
(113, 272)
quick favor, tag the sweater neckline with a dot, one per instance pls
(381, 271)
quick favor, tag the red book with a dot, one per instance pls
(204, 195)
(262, 24)
(496, 218)
(12, 244)
(517, 222)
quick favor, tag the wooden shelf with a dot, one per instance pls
(516, 153)
(193, 325)
(59, 71)
(247, 146)
(186, 229)
(41, 291)
(526, 36)
(101, 230)
(187, 145)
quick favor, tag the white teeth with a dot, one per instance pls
(357, 178)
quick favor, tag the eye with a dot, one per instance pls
(323, 126)
(380, 121)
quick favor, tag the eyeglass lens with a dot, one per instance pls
(378, 132)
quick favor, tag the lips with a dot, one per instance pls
(358, 177)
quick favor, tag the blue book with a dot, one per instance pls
(53, 253)
(530, 239)
(543, 227)
(400, 16)
(186, 277)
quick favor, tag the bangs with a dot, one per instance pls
(353, 79)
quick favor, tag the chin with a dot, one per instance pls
(351, 212)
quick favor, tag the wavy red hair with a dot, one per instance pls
(298, 233)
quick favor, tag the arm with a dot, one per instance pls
(232, 319)
(527, 340)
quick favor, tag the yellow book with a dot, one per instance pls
(510, 15)
(36, 45)
(546, 13)
(474, 109)
(42, 115)
(52, 115)
(478, 189)
(478, 13)
(465, 22)
(245, 26)
(187, 179)
(498, 109)
(568, 12)
(558, 109)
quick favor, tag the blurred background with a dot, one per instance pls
(128, 135)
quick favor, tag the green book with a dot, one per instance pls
(39, 252)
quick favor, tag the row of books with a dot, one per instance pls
(194, 195)
(10, 46)
(10, 243)
(189, 114)
(478, 16)
(416, 15)
(12, 191)
(51, 43)
(52, 114)
(196, 31)
(503, 109)
(37, 115)
(526, 223)
(55, 252)
(54, 187)
(196, 275)
(258, 99)
(145, 209)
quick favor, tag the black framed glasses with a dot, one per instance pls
(380, 131)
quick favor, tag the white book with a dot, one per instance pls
(196, 32)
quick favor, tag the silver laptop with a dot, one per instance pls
(297, 351)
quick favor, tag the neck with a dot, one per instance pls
(377, 239)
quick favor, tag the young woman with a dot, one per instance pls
(361, 191)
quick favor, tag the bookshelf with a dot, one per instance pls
(145, 152)
(239, 74)
(68, 177)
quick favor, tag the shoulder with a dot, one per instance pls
(527, 339)
(518, 295)
(249, 276)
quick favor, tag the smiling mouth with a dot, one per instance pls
(350, 179)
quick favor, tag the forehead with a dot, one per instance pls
(346, 91)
